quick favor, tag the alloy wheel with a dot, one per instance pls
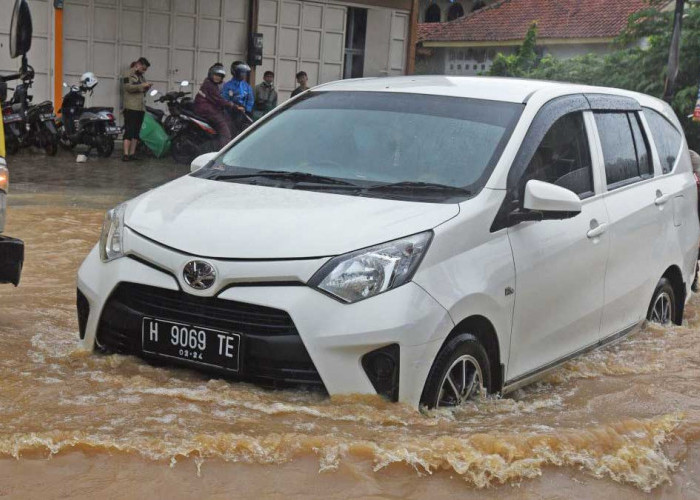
(661, 311)
(463, 381)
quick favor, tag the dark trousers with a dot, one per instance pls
(220, 123)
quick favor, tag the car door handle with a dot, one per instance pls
(661, 199)
(597, 231)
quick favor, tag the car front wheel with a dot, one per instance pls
(461, 372)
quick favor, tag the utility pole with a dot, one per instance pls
(674, 52)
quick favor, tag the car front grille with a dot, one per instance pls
(273, 353)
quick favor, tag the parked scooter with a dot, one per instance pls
(29, 124)
(158, 126)
(94, 127)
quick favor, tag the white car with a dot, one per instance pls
(422, 238)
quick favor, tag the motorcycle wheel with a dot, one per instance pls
(50, 143)
(184, 149)
(104, 145)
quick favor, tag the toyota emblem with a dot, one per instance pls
(199, 275)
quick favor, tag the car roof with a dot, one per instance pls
(517, 90)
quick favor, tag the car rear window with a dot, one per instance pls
(667, 139)
(625, 148)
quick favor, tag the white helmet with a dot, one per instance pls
(88, 80)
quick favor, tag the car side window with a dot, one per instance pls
(667, 139)
(625, 148)
(564, 157)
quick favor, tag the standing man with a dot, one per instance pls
(265, 96)
(303, 81)
(135, 87)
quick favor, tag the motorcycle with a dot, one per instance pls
(193, 135)
(29, 124)
(94, 127)
(190, 134)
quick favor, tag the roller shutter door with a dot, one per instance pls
(181, 39)
(302, 36)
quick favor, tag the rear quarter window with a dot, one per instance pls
(666, 137)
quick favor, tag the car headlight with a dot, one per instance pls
(4, 177)
(112, 237)
(368, 272)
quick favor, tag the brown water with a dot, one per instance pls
(622, 421)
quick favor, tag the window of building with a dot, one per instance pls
(564, 157)
(455, 11)
(355, 34)
(667, 139)
(478, 4)
(625, 148)
(432, 14)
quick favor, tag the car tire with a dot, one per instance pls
(663, 309)
(461, 354)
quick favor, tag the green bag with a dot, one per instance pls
(153, 135)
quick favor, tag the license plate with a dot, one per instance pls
(48, 117)
(196, 344)
(11, 118)
(112, 130)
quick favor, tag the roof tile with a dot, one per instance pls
(509, 20)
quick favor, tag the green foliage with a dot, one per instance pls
(638, 62)
(525, 59)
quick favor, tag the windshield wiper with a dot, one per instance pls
(282, 174)
(419, 186)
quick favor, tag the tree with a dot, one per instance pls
(674, 51)
(641, 67)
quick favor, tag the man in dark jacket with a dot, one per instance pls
(210, 105)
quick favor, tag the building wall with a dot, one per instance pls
(182, 38)
(472, 61)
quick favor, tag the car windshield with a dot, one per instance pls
(379, 144)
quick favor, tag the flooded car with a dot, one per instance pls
(427, 239)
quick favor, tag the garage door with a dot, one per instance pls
(181, 39)
(42, 48)
(301, 36)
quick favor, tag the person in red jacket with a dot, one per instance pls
(210, 105)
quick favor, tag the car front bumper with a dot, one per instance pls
(323, 341)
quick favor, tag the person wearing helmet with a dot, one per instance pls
(210, 105)
(237, 90)
(135, 87)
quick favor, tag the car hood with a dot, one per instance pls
(241, 221)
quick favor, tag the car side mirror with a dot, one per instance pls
(202, 160)
(550, 200)
(20, 29)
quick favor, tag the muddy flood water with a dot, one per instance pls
(619, 423)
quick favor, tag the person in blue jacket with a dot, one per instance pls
(237, 90)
